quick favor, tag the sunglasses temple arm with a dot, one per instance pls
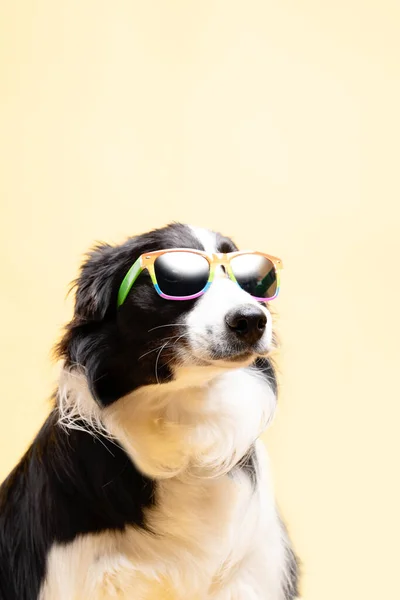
(129, 280)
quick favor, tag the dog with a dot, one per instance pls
(148, 479)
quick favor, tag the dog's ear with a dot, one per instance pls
(96, 286)
(88, 338)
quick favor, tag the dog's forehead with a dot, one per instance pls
(179, 235)
(213, 241)
(206, 237)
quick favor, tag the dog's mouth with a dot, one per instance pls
(228, 357)
(231, 355)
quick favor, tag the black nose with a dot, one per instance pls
(248, 322)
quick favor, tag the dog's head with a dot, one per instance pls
(149, 339)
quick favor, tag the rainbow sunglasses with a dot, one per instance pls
(185, 274)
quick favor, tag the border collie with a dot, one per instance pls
(148, 480)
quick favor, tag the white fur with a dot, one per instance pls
(76, 406)
(207, 238)
(217, 537)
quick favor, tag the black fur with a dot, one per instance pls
(265, 366)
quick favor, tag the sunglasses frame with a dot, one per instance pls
(147, 260)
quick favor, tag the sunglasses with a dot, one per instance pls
(184, 274)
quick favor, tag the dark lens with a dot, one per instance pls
(255, 274)
(181, 273)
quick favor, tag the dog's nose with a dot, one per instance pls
(248, 322)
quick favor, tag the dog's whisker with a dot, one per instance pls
(157, 359)
(158, 347)
(166, 345)
(168, 325)
(171, 347)
(173, 337)
(149, 352)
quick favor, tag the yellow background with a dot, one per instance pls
(274, 122)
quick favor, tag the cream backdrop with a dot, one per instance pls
(275, 122)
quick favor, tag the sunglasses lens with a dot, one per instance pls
(255, 274)
(181, 273)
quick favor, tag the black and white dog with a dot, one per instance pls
(147, 480)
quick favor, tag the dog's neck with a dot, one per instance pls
(201, 424)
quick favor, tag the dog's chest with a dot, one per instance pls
(196, 531)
